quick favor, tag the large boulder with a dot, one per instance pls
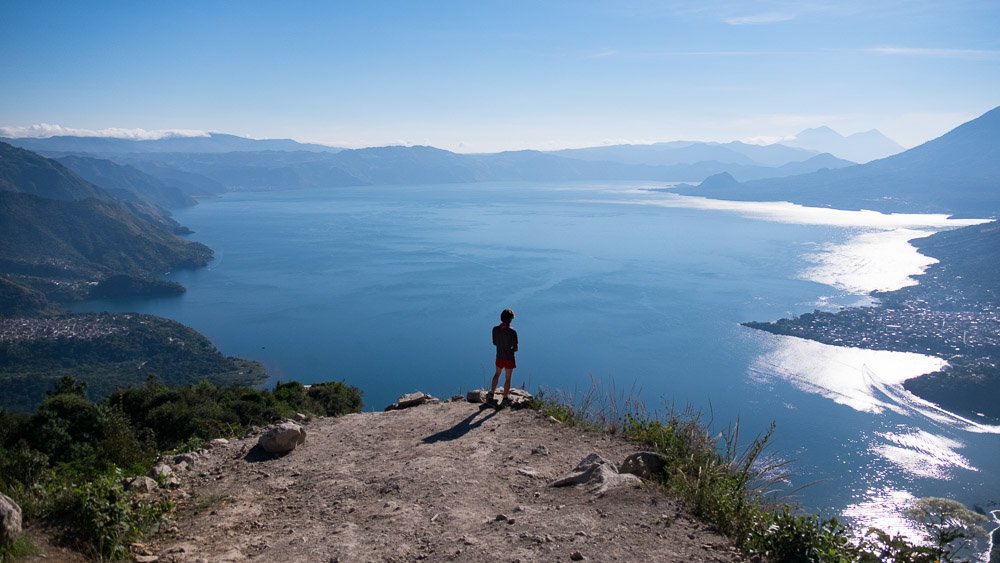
(282, 438)
(597, 473)
(10, 519)
(412, 400)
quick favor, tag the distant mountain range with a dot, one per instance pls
(198, 172)
(127, 182)
(957, 173)
(689, 152)
(211, 143)
(859, 147)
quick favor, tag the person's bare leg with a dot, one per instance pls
(506, 384)
(493, 386)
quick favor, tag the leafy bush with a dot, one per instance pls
(335, 398)
(108, 519)
(68, 460)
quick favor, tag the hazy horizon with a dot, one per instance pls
(486, 77)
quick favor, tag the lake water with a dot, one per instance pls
(395, 289)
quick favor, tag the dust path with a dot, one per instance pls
(446, 482)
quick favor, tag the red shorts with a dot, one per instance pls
(508, 364)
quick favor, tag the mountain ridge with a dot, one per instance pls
(61, 235)
(860, 147)
(956, 173)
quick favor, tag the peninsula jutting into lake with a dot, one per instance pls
(953, 313)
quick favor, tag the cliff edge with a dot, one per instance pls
(454, 481)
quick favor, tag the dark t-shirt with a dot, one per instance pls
(505, 339)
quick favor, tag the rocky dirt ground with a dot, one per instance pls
(455, 481)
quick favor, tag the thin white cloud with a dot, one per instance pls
(760, 19)
(602, 54)
(45, 130)
(935, 52)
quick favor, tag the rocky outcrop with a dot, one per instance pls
(10, 519)
(597, 473)
(413, 400)
(282, 438)
(516, 398)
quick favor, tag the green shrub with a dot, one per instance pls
(335, 398)
(108, 519)
(20, 547)
(70, 466)
(782, 536)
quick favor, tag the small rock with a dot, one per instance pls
(185, 458)
(597, 472)
(500, 518)
(576, 556)
(554, 419)
(412, 400)
(519, 398)
(527, 472)
(10, 519)
(146, 558)
(299, 417)
(476, 396)
(218, 442)
(161, 471)
(540, 449)
(457, 398)
(182, 466)
(143, 484)
(282, 437)
(647, 465)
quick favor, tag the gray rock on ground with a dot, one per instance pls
(185, 458)
(412, 400)
(161, 471)
(10, 519)
(597, 473)
(647, 465)
(143, 484)
(282, 437)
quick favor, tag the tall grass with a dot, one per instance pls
(730, 483)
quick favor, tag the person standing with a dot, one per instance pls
(505, 339)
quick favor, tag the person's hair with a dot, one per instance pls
(506, 316)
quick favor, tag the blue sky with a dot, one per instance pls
(483, 76)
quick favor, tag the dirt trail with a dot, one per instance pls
(445, 482)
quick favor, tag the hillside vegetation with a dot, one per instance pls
(61, 235)
(108, 351)
(67, 463)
